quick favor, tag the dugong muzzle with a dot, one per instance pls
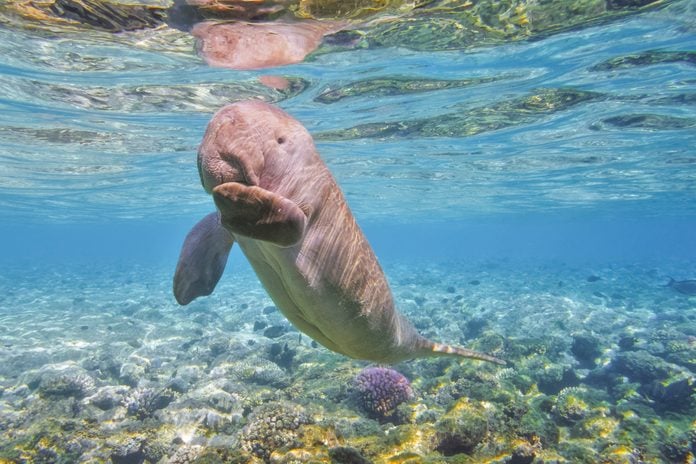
(276, 198)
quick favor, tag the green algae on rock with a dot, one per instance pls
(570, 406)
(472, 121)
(537, 422)
(462, 429)
(383, 87)
(641, 366)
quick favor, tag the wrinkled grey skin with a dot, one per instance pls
(276, 198)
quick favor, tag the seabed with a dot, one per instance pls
(101, 365)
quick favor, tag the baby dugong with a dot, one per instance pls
(277, 199)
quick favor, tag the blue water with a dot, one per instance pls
(98, 179)
(91, 136)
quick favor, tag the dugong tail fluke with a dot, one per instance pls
(439, 349)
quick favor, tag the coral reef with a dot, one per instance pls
(569, 407)
(273, 427)
(207, 392)
(255, 369)
(66, 385)
(586, 349)
(463, 428)
(143, 402)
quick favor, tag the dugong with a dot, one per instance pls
(276, 198)
(244, 45)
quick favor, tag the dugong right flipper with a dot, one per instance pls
(202, 259)
(259, 214)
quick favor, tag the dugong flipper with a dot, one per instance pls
(277, 199)
(202, 259)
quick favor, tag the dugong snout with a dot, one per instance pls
(226, 155)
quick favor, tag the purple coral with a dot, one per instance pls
(380, 390)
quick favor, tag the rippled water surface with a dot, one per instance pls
(102, 126)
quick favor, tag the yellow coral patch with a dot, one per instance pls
(44, 442)
(523, 20)
(462, 404)
(621, 450)
(600, 426)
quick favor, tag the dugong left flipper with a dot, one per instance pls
(202, 259)
(277, 199)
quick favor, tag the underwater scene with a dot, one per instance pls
(365, 231)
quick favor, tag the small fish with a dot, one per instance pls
(687, 287)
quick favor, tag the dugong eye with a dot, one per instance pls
(280, 140)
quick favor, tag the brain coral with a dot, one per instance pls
(380, 390)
